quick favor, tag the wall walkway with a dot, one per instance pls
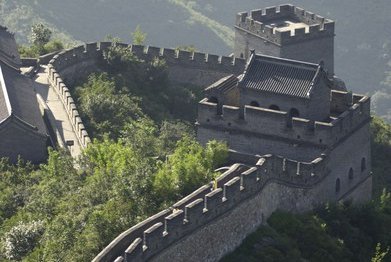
(61, 119)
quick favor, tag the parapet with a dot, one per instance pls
(353, 111)
(86, 55)
(208, 203)
(285, 24)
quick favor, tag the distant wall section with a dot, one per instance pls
(194, 68)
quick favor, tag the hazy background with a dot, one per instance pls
(363, 30)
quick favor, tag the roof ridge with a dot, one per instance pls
(281, 60)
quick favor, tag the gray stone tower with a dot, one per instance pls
(286, 31)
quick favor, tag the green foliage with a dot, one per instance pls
(111, 103)
(330, 233)
(40, 34)
(138, 36)
(188, 48)
(35, 51)
(189, 166)
(381, 155)
(105, 109)
(40, 42)
(59, 213)
(21, 239)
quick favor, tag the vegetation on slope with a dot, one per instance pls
(143, 158)
(41, 42)
(332, 232)
(59, 213)
(131, 89)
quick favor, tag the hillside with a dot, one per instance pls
(362, 40)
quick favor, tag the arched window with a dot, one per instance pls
(274, 107)
(294, 112)
(351, 174)
(254, 103)
(337, 185)
(363, 164)
(213, 99)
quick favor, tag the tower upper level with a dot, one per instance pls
(286, 31)
(8, 48)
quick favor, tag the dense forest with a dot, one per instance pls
(362, 41)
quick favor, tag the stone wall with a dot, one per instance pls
(20, 139)
(195, 68)
(269, 126)
(243, 198)
(220, 205)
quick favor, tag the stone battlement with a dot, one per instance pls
(353, 110)
(238, 183)
(69, 65)
(171, 56)
(266, 23)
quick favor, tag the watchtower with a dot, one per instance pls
(286, 31)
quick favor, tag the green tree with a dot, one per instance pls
(188, 167)
(138, 36)
(22, 239)
(40, 34)
(105, 108)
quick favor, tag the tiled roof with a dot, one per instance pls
(280, 76)
(17, 97)
(223, 85)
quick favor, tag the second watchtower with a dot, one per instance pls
(286, 31)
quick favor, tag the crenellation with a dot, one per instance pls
(299, 32)
(91, 47)
(231, 192)
(184, 221)
(169, 54)
(104, 45)
(249, 179)
(233, 171)
(286, 9)
(199, 57)
(200, 192)
(153, 52)
(230, 113)
(138, 50)
(123, 45)
(270, 11)
(227, 61)
(194, 214)
(184, 55)
(153, 238)
(279, 123)
(135, 251)
(212, 59)
(173, 222)
(256, 22)
(119, 259)
(255, 14)
(213, 200)
(78, 52)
